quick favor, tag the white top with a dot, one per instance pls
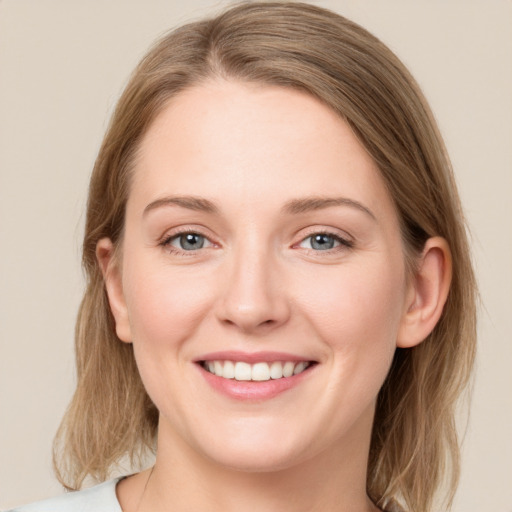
(100, 498)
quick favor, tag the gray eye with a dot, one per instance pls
(322, 242)
(189, 241)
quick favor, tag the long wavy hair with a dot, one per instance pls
(414, 447)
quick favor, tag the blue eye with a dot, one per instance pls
(324, 242)
(188, 241)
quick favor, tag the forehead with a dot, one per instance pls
(255, 143)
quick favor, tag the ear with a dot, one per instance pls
(427, 293)
(109, 264)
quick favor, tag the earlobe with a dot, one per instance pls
(427, 294)
(105, 254)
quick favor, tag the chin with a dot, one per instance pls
(257, 452)
(255, 459)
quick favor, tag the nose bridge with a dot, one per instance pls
(253, 296)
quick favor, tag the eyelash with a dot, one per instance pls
(166, 242)
(344, 243)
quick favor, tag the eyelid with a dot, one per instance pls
(169, 235)
(338, 234)
(345, 241)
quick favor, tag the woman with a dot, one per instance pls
(280, 299)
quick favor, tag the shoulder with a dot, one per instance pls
(95, 499)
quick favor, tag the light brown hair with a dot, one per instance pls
(414, 446)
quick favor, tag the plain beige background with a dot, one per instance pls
(63, 64)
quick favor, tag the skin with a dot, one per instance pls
(259, 284)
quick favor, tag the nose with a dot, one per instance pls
(254, 298)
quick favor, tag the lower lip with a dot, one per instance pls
(253, 390)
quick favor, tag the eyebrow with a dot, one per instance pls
(308, 204)
(294, 207)
(190, 202)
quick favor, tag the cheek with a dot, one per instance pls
(166, 309)
(165, 305)
(357, 298)
(357, 312)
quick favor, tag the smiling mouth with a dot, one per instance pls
(258, 372)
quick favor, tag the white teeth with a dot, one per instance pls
(242, 371)
(288, 369)
(299, 368)
(276, 370)
(229, 370)
(260, 371)
(255, 372)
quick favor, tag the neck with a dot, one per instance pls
(334, 481)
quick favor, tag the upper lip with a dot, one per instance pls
(250, 357)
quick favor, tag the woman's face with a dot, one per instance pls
(260, 240)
